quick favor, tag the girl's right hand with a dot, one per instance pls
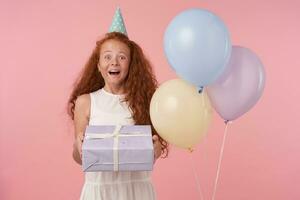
(78, 145)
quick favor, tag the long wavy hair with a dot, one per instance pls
(139, 85)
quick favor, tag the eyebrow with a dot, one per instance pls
(111, 51)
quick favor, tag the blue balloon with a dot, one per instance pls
(197, 45)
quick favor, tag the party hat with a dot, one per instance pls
(117, 24)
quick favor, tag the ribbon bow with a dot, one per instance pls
(116, 134)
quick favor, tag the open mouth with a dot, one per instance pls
(114, 72)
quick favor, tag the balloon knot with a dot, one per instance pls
(226, 121)
(200, 89)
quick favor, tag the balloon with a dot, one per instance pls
(179, 113)
(240, 86)
(197, 45)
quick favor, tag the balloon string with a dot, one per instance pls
(197, 179)
(202, 99)
(220, 160)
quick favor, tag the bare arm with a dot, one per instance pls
(81, 120)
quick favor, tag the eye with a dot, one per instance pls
(123, 57)
(107, 57)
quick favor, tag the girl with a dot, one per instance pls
(115, 87)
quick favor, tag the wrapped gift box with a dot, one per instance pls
(117, 148)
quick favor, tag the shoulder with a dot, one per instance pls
(82, 100)
(82, 103)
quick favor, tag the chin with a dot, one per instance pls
(115, 83)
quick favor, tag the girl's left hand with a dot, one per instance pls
(157, 147)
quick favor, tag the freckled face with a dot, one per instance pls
(114, 62)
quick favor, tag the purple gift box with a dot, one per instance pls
(117, 148)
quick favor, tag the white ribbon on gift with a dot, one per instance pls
(116, 134)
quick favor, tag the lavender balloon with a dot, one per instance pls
(240, 86)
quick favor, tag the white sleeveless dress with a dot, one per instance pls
(107, 109)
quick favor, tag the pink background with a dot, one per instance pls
(44, 44)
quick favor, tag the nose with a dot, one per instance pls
(114, 61)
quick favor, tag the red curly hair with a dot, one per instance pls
(139, 85)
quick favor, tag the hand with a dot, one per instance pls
(78, 145)
(157, 147)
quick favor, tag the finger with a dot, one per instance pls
(79, 139)
(80, 152)
(155, 137)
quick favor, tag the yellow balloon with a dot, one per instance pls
(180, 114)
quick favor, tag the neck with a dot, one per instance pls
(114, 89)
